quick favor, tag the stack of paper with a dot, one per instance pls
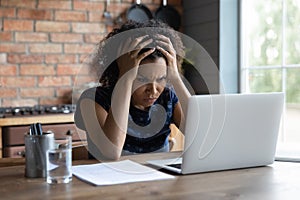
(117, 173)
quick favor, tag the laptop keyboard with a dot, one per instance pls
(178, 166)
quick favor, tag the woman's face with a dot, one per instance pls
(149, 83)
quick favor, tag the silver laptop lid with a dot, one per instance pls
(231, 131)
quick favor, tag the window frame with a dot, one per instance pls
(283, 67)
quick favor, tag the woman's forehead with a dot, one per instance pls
(151, 67)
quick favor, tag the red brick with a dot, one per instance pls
(53, 101)
(58, 81)
(93, 38)
(17, 25)
(31, 37)
(119, 8)
(7, 70)
(79, 48)
(12, 48)
(64, 92)
(66, 37)
(25, 58)
(96, 16)
(19, 3)
(35, 14)
(7, 12)
(6, 36)
(146, 1)
(70, 16)
(55, 4)
(85, 58)
(36, 92)
(8, 92)
(88, 28)
(45, 48)
(68, 69)
(20, 81)
(84, 70)
(3, 57)
(27, 69)
(82, 80)
(88, 5)
(59, 58)
(46, 26)
(19, 102)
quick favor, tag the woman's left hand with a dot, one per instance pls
(166, 48)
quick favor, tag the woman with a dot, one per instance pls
(133, 108)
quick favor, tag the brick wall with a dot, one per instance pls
(43, 43)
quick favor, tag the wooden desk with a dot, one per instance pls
(278, 181)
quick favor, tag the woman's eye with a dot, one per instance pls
(142, 79)
(162, 79)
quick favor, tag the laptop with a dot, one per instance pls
(228, 131)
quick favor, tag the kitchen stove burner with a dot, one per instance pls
(36, 110)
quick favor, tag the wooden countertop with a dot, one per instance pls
(277, 181)
(28, 119)
(49, 119)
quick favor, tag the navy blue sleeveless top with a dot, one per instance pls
(147, 131)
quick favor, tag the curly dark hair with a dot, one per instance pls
(104, 59)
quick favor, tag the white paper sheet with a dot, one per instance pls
(118, 172)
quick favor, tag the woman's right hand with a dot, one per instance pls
(130, 56)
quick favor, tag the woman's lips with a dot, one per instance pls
(150, 100)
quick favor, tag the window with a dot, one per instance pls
(270, 58)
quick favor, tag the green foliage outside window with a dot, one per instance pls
(274, 45)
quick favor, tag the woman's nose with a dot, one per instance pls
(151, 88)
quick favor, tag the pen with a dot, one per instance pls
(39, 129)
(32, 129)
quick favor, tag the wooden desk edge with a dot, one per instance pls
(8, 162)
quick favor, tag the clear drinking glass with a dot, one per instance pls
(59, 160)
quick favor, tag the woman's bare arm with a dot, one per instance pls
(108, 130)
(166, 47)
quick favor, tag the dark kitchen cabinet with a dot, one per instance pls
(201, 23)
(215, 25)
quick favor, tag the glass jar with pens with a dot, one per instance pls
(36, 145)
(48, 155)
